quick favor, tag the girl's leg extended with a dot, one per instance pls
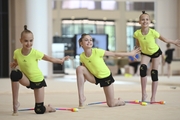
(154, 76)
(39, 102)
(143, 73)
(82, 75)
(109, 93)
(16, 78)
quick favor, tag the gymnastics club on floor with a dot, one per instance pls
(133, 102)
(157, 102)
(67, 109)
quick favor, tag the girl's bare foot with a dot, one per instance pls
(15, 108)
(144, 97)
(49, 108)
(120, 103)
(152, 99)
(81, 103)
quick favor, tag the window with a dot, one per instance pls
(109, 5)
(72, 27)
(130, 39)
(53, 4)
(90, 4)
(77, 4)
(110, 30)
(139, 6)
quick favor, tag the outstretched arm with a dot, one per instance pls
(55, 60)
(175, 42)
(123, 54)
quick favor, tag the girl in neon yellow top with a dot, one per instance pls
(146, 40)
(29, 74)
(94, 70)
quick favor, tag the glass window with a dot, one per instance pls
(109, 5)
(77, 4)
(72, 27)
(70, 4)
(139, 6)
(100, 29)
(89, 28)
(54, 4)
(77, 28)
(130, 38)
(110, 30)
(67, 30)
(90, 4)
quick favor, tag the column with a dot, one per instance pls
(38, 17)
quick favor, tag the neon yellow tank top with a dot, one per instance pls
(95, 63)
(29, 64)
(147, 42)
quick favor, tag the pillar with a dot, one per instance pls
(38, 17)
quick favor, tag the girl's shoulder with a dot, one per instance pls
(33, 50)
(97, 49)
(17, 50)
(152, 30)
(137, 31)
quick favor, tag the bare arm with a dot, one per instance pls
(55, 60)
(14, 64)
(122, 54)
(175, 42)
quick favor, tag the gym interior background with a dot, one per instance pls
(57, 23)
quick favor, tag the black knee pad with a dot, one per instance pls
(143, 70)
(16, 75)
(40, 108)
(154, 75)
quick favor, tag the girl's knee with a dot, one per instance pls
(79, 69)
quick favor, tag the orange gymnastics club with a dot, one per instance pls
(158, 102)
(69, 109)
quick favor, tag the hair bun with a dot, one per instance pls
(25, 27)
(143, 12)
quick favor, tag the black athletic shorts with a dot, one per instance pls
(104, 81)
(155, 55)
(36, 85)
(168, 61)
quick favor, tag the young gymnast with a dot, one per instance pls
(169, 58)
(145, 39)
(94, 70)
(29, 74)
